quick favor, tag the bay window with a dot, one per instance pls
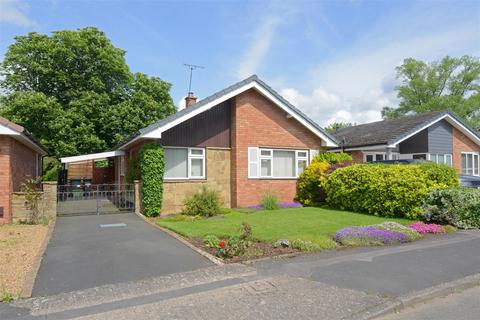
(470, 163)
(184, 163)
(276, 163)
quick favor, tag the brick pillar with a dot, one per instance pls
(138, 204)
(50, 198)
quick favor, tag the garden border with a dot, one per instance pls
(207, 255)
(37, 261)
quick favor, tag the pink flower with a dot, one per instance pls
(423, 228)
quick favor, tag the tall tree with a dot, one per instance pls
(75, 92)
(452, 83)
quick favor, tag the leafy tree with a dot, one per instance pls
(75, 92)
(452, 83)
(337, 125)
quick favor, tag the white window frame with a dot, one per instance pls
(258, 161)
(434, 158)
(474, 154)
(191, 156)
(374, 154)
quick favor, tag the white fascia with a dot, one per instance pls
(93, 156)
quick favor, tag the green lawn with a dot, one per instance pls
(314, 224)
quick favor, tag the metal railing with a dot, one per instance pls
(95, 199)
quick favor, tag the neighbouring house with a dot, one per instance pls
(20, 159)
(441, 137)
(243, 141)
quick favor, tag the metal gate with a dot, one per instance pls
(95, 199)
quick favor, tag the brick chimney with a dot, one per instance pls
(190, 100)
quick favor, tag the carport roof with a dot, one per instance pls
(92, 156)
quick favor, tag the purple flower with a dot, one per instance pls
(257, 206)
(369, 235)
(294, 204)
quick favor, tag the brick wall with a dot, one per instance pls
(5, 179)
(257, 122)
(47, 204)
(17, 163)
(357, 156)
(461, 143)
(218, 178)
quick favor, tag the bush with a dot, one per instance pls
(305, 246)
(204, 203)
(212, 241)
(270, 201)
(441, 173)
(331, 158)
(309, 184)
(236, 246)
(133, 170)
(456, 206)
(384, 190)
(152, 168)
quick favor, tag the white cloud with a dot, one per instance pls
(259, 47)
(181, 103)
(12, 11)
(355, 86)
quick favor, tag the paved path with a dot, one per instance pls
(460, 306)
(82, 254)
(331, 285)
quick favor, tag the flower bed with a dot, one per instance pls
(282, 205)
(423, 228)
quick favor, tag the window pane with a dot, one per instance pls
(176, 163)
(378, 157)
(469, 164)
(266, 168)
(420, 156)
(448, 159)
(475, 165)
(440, 158)
(196, 168)
(266, 153)
(464, 163)
(302, 164)
(302, 154)
(196, 152)
(369, 158)
(283, 163)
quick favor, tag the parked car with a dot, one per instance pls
(470, 181)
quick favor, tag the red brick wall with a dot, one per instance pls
(17, 163)
(461, 143)
(5, 178)
(257, 122)
(357, 156)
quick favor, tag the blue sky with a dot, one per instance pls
(334, 60)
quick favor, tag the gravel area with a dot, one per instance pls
(19, 245)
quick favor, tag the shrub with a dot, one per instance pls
(33, 196)
(309, 184)
(441, 173)
(236, 246)
(305, 246)
(212, 241)
(423, 228)
(456, 206)
(369, 236)
(270, 201)
(204, 203)
(382, 190)
(331, 158)
(152, 168)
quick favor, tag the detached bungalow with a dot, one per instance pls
(243, 141)
(20, 159)
(440, 137)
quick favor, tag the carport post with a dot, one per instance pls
(137, 196)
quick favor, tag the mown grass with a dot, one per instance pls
(313, 224)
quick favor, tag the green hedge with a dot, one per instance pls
(331, 157)
(152, 168)
(386, 190)
(456, 206)
(309, 185)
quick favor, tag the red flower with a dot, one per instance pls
(222, 244)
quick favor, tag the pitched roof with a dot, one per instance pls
(19, 130)
(197, 108)
(392, 131)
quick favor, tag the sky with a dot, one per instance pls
(334, 60)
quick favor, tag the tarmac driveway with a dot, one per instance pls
(89, 251)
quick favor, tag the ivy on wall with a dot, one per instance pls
(152, 167)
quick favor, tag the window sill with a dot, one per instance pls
(272, 178)
(200, 180)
